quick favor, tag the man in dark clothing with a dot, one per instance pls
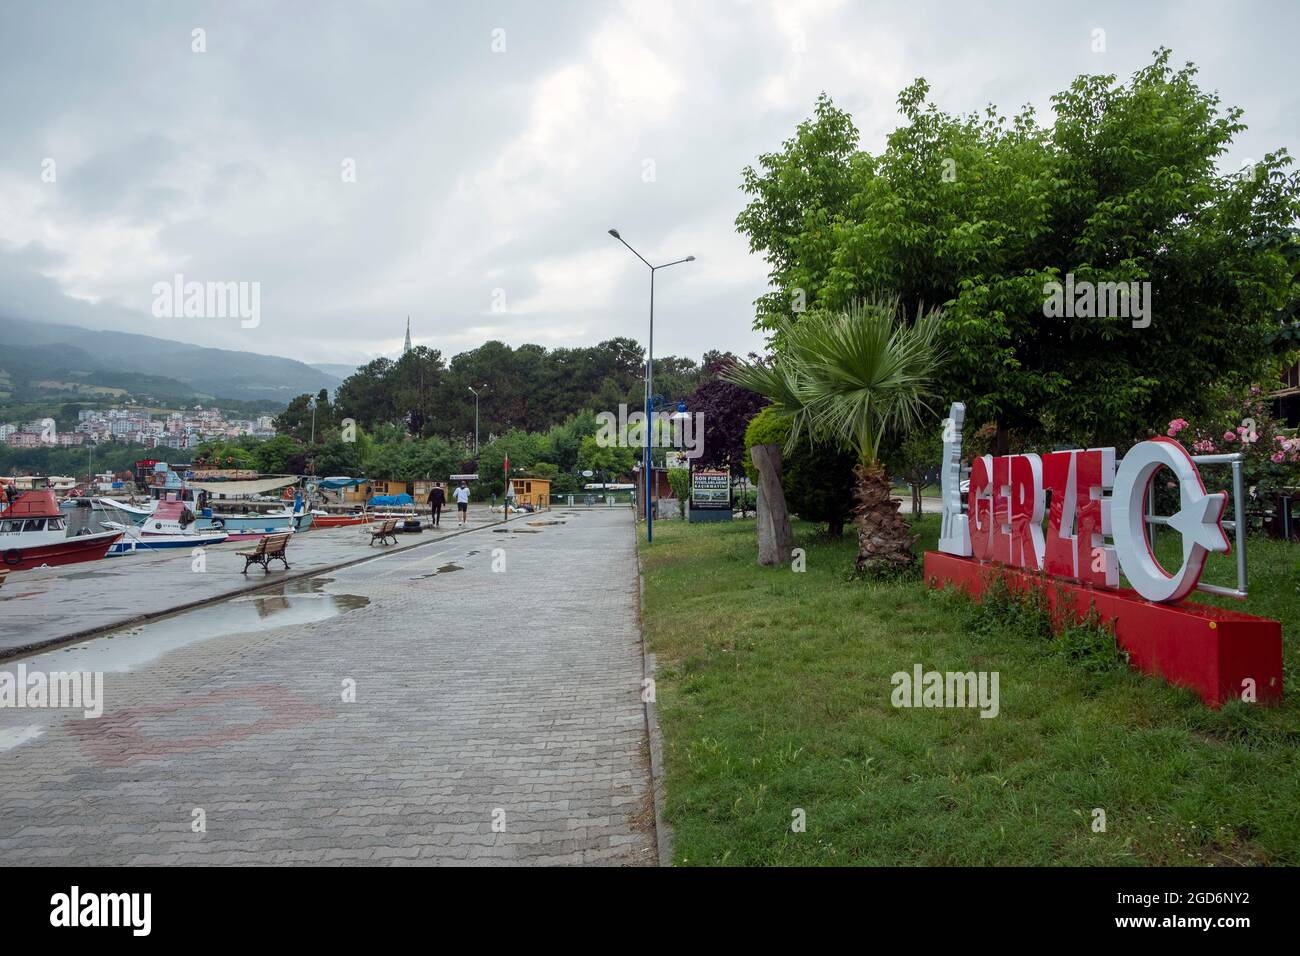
(437, 498)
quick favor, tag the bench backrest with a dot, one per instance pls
(274, 544)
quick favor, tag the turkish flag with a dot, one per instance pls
(506, 466)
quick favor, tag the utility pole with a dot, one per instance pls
(648, 464)
(476, 394)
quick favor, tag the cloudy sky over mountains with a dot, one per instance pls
(485, 179)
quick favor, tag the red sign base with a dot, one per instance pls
(1211, 650)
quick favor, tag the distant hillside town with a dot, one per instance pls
(178, 429)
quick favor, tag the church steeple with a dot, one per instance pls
(407, 347)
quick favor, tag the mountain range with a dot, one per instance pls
(40, 358)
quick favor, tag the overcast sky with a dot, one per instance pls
(485, 179)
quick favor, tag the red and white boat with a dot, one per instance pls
(171, 525)
(33, 534)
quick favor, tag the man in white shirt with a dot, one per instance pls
(461, 495)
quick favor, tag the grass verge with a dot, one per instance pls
(774, 694)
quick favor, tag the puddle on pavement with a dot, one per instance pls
(516, 531)
(445, 569)
(11, 737)
(302, 601)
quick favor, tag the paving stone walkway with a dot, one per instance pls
(496, 719)
(44, 606)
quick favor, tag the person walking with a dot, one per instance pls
(437, 498)
(462, 502)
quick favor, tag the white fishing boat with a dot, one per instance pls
(241, 508)
(172, 525)
(135, 541)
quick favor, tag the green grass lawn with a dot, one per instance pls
(774, 695)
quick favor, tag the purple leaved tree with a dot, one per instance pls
(727, 410)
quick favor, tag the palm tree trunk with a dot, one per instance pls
(885, 538)
(775, 538)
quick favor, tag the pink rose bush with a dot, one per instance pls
(1271, 452)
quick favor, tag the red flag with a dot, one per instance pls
(506, 466)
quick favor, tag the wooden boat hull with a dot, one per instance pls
(86, 547)
(340, 521)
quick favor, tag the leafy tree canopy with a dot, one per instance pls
(978, 213)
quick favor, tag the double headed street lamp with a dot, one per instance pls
(648, 466)
(475, 391)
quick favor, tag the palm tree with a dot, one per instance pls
(850, 378)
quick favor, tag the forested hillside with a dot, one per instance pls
(529, 388)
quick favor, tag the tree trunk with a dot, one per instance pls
(884, 537)
(1001, 439)
(775, 539)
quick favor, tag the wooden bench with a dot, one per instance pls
(269, 548)
(386, 530)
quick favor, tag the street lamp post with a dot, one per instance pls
(648, 465)
(472, 389)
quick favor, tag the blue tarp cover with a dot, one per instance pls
(342, 482)
(386, 500)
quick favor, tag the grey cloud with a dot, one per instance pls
(478, 171)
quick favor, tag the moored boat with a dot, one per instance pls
(135, 541)
(242, 527)
(323, 519)
(172, 525)
(214, 503)
(33, 534)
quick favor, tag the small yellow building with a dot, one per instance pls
(533, 491)
(359, 494)
(420, 490)
(355, 494)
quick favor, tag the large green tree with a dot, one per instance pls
(979, 213)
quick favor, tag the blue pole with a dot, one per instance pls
(649, 390)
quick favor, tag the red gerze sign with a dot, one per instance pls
(997, 527)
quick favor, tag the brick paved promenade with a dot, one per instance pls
(497, 719)
(38, 607)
